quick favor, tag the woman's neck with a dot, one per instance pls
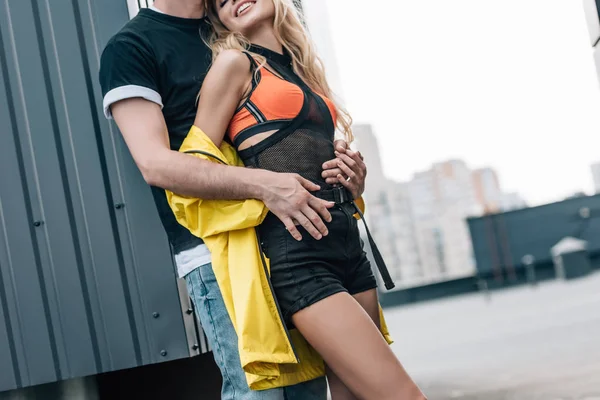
(266, 38)
(181, 8)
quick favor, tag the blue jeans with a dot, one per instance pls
(210, 308)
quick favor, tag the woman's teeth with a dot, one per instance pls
(244, 7)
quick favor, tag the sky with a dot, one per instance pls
(508, 84)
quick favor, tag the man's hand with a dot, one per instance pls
(348, 169)
(287, 196)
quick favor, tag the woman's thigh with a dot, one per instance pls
(369, 301)
(352, 346)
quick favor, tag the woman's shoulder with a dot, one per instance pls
(229, 73)
(232, 62)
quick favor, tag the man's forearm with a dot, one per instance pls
(187, 175)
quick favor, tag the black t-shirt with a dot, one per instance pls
(163, 59)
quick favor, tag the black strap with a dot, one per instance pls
(205, 153)
(256, 77)
(247, 133)
(253, 62)
(383, 270)
(341, 195)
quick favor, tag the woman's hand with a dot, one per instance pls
(288, 197)
(347, 169)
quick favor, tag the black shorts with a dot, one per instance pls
(305, 272)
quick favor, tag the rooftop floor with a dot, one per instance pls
(524, 343)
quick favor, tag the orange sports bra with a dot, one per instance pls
(302, 120)
(272, 102)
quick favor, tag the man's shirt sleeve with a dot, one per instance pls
(128, 69)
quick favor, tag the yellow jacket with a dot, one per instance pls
(271, 355)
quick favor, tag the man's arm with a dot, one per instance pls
(143, 127)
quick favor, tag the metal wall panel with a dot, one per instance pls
(500, 241)
(86, 278)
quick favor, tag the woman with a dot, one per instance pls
(266, 93)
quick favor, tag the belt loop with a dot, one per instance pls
(339, 195)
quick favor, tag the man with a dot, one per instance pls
(150, 73)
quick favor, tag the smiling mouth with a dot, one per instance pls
(244, 7)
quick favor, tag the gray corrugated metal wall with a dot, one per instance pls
(501, 240)
(86, 278)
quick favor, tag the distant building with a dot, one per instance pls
(596, 176)
(442, 197)
(502, 242)
(393, 228)
(368, 145)
(389, 213)
(490, 195)
(420, 226)
(512, 201)
(487, 189)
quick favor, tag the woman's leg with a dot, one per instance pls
(353, 347)
(369, 302)
(339, 391)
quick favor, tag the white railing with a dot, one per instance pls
(135, 5)
(593, 20)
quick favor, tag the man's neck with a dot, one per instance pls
(181, 8)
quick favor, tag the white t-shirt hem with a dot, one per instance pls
(189, 260)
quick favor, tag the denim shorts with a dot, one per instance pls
(307, 271)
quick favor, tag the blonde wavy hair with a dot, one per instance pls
(294, 38)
